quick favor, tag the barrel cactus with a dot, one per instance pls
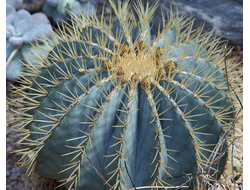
(111, 108)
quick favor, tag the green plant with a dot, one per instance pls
(107, 98)
(60, 10)
(22, 28)
(238, 175)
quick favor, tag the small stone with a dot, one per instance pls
(8, 140)
(22, 170)
(8, 167)
(12, 183)
(9, 148)
(8, 173)
(22, 179)
(13, 177)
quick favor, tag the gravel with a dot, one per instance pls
(14, 178)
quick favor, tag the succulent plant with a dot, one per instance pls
(22, 28)
(59, 9)
(109, 109)
(15, 3)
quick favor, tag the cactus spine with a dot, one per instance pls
(112, 95)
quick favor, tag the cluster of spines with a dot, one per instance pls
(121, 142)
(34, 71)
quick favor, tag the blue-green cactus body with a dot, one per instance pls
(165, 133)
